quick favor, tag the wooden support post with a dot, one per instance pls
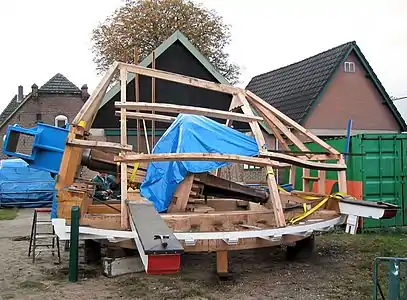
(153, 101)
(181, 195)
(292, 175)
(124, 220)
(321, 182)
(146, 136)
(305, 181)
(342, 177)
(222, 268)
(274, 196)
(137, 93)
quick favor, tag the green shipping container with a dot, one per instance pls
(376, 172)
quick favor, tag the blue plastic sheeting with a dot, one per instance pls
(191, 134)
(23, 186)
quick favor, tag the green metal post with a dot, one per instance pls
(74, 245)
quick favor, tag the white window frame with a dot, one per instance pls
(61, 118)
(349, 67)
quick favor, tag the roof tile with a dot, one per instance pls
(59, 84)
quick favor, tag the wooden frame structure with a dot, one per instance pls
(246, 101)
(184, 214)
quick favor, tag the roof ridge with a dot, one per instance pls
(307, 58)
(59, 84)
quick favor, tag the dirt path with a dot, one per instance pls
(339, 269)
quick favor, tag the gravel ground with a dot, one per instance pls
(335, 271)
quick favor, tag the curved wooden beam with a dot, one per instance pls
(296, 161)
(174, 108)
(256, 161)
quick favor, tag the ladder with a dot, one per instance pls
(50, 238)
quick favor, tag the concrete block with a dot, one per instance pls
(113, 267)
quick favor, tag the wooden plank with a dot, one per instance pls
(69, 164)
(124, 221)
(273, 121)
(212, 221)
(256, 161)
(254, 98)
(174, 108)
(274, 196)
(305, 182)
(153, 101)
(145, 116)
(209, 85)
(321, 182)
(292, 175)
(297, 161)
(137, 93)
(89, 110)
(181, 195)
(342, 178)
(89, 144)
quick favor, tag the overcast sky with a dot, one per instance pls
(44, 37)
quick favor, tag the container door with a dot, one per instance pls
(382, 175)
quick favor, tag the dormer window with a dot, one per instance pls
(61, 121)
(349, 67)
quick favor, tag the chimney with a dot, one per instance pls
(34, 91)
(20, 94)
(84, 92)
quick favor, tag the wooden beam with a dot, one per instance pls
(342, 184)
(124, 220)
(173, 108)
(297, 161)
(181, 195)
(89, 110)
(136, 87)
(209, 85)
(89, 144)
(274, 196)
(254, 98)
(256, 161)
(222, 263)
(153, 101)
(273, 121)
(145, 116)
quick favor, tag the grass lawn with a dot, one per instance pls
(8, 213)
(357, 253)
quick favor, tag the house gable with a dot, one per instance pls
(177, 58)
(352, 95)
(297, 89)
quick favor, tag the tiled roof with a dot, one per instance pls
(294, 88)
(10, 108)
(59, 84)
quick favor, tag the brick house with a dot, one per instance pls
(323, 91)
(56, 102)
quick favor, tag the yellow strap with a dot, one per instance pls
(306, 213)
(133, 174)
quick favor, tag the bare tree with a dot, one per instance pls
(145, 24)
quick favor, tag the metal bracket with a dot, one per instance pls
(162, 238)
(190, 242)
(231, 241)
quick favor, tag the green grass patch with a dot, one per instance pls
(8, 213)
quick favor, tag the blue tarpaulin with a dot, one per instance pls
(23, 186)
(191, 134)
